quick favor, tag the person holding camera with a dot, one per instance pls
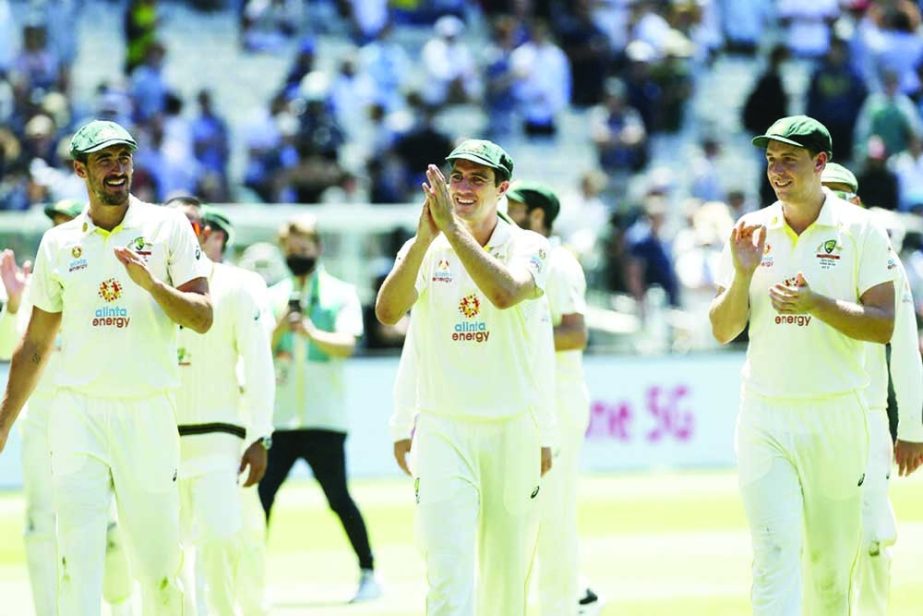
(319, 321)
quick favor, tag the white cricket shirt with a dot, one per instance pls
(906, 367)
(210, 391)
(117, 342)
(841, 255)
(566, 293)
(475, 360)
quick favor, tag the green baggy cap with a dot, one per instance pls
(99, 134)
(65, 207)
(800, 130)
(217, 218)
(485, 153)
(838, 174)
(535, 195)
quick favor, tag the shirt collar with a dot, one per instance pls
(826, 217)
(130, 220)
(500, 236)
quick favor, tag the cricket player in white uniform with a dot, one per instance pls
(216, 416)
(905, 368)
(810, 275)
(217, 233)
(482, 438)
(116, 280)
(535, 207)
(41, 547)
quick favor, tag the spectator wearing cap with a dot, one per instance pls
(809, 277)
(450, 73)
(535, 207)
(480, 339)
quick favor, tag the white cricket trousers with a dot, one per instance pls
(802, 464)
(879, 528)
(251, 569)
(477, 489)
(129, 448)
(212, 528)
(40, 542)
(558, 565)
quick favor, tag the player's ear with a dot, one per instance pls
(820, 162)
(80, 169)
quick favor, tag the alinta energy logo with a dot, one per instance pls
(110, 316)
(470, 330)
(443, 273)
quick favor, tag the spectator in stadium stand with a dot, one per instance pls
(140, 26)
(879, 183)
(642, 91)
(7, 36)
(419, 145)
(449, 66)
(618, 132)
(650, 254)
(766, 102)
(267, 24)
(889, 114)
(302, 64)
(807, 25)
(389, 66)
(499, 99)
(587, 47)
(148, 86)
(744, 23)
(835, 95)
(908, 167)
(37, 65)
(543, 81)
(211, 145)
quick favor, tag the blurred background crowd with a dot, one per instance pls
(637, 112)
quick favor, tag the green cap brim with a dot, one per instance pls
(109, 143)
(763, 141)
(474, 158)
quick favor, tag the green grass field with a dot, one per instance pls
(652, 544)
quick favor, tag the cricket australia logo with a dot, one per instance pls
(110, 290)
(142, 247)
(470, 330)
(828, 253)
(79, 263)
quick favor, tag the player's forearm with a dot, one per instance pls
(906, 368)
(570, 337)
(9, 334)
(25, 369)
(868, 323)
(499, 285)
(398, 292)
(191, 310)
(334, 344)
(730, 310)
